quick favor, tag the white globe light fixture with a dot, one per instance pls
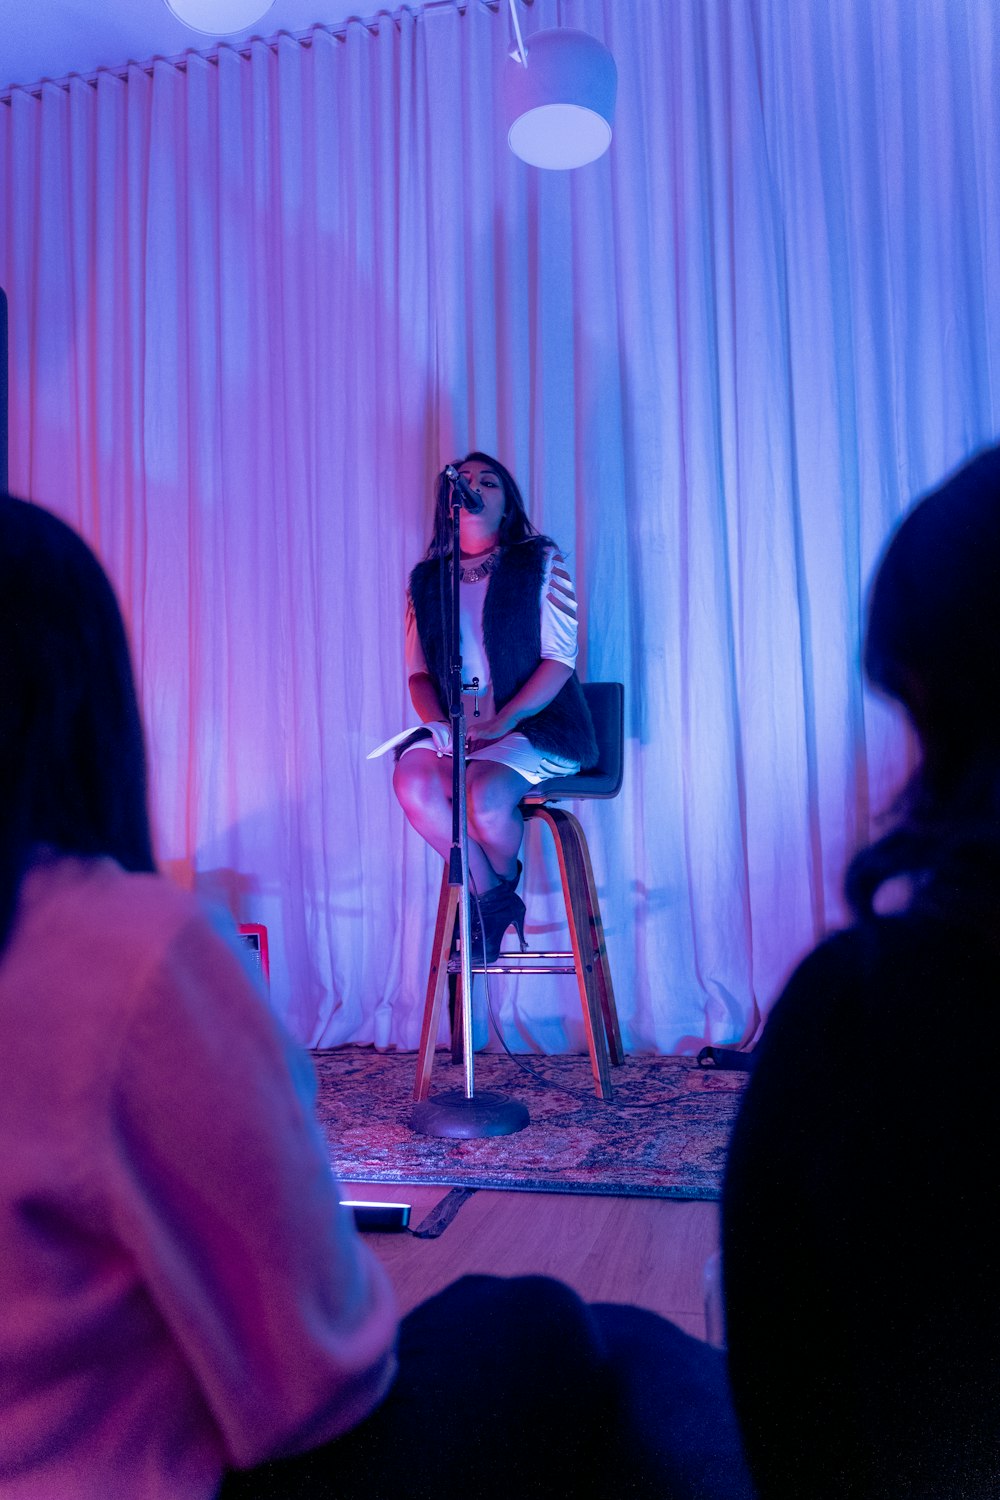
(219, 17)
(560, 99)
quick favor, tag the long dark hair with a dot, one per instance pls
(933, 644)
(515, 526)
(72, 762)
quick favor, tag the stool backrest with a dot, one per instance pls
(606, 701)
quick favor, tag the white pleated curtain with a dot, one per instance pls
(255, 302)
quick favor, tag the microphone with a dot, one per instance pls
(472, 500)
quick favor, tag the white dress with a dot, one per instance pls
(559, 643)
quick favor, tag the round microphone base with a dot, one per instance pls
(454, 1116)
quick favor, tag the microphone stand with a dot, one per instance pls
(466, 1115)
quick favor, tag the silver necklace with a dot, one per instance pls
(483, 569)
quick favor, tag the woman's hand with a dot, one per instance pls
(440, 733)
(484, 731)
(539, 691)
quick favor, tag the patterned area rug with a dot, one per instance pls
(663, 1136)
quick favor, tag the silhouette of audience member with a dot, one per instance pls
(179, 1289)
(860, 1272)
(185, 1309)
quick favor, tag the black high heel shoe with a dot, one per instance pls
(516, 916)
(492, 914)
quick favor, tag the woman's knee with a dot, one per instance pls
(419, 787)
(491, 827)
(491, 824)
(493, 817)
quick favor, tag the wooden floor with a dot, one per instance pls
(650, 1251)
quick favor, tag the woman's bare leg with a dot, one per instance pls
(495, 820)
(422, 783)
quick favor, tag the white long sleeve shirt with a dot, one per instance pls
(180, 1290)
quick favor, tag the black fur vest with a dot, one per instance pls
(513, 640)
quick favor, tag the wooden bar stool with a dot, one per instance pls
(587, 957)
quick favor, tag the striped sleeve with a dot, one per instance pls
(558, 611)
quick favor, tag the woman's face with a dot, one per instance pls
(487, 481)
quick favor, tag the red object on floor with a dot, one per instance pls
(255, 937)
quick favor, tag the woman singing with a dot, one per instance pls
(527, 718)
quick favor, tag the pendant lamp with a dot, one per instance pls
(219, 17)
(559, 93)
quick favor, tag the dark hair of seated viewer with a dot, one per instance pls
(72, 759)
(933, 645)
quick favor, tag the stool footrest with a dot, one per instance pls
(513, 968)
(455, 967)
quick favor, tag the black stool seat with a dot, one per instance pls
(587, 957)
(606, 701)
